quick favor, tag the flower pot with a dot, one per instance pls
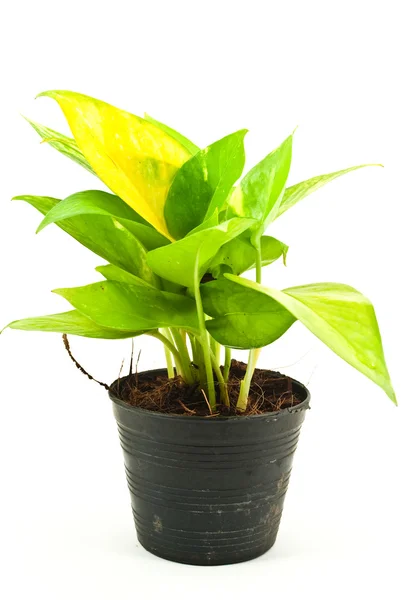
(208, 491)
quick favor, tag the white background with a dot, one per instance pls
(207, 69)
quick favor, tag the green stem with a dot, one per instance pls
(222, 384)
(184, 355)
(169, 345)
(227, 363)
(169, 363)
(194, 348)
(198, 361)
(246, 382)
(258, 260)
(169, 357)
(253, 354)
(203, 338)
(215, 347)
(178, 367)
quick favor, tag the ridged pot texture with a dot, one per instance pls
(208, 491)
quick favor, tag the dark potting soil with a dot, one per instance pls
(270, 391)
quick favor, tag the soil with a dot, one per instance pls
(270, 391)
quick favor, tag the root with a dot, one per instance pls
(76, 363)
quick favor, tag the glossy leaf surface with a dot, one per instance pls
(113, 273)
(184, 141)
(64, 144)
(259, 194)
(203, 183)
(238, 255)
(134, 158)
(342, 318)
(72, 323)
(243, 318)
(95, 202)
(131, 307)
(176, 262)
(105, 236)
(299, 191)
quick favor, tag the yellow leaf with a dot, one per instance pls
(134, 158)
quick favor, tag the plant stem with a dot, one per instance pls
(227, 363)
(203, 338)
(169, 358)
(197, 355)
(169, 363)
(184, 355)
(246, 382)
(215, 348)
(253, 354)
(169, 345)
(222, 384)
(258, 260)
(167, 333)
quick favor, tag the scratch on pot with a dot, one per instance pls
(157, 524)
(281, 481)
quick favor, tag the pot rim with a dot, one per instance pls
(304, 405)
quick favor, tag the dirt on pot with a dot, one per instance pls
(270, 391)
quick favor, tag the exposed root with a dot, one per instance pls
(187, 410)
(132, 357)
(76, 363)
(207, 401)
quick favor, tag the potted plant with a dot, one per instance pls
(208, 443)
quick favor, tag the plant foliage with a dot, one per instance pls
(178, 230)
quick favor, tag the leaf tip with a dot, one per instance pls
(391, 394)
(59, 291)
(41, 226)
(100, 270)
(370, 165)
(49, 94)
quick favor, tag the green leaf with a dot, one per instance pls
(190, 146)
(95, 202)
(113, 273)
(238, 255)
(105, 236)
(131, 307)
(62, 143)
(299, 191)
(90, 202)
(203, 183)
(176, 262)
(72, 323)
(243, 318)
(342, 318)
(212, 221)
(259, 194)
(134, 158)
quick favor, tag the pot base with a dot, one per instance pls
(212, 559)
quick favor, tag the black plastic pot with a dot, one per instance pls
(208, 491)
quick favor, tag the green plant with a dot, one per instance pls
(177, 233)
